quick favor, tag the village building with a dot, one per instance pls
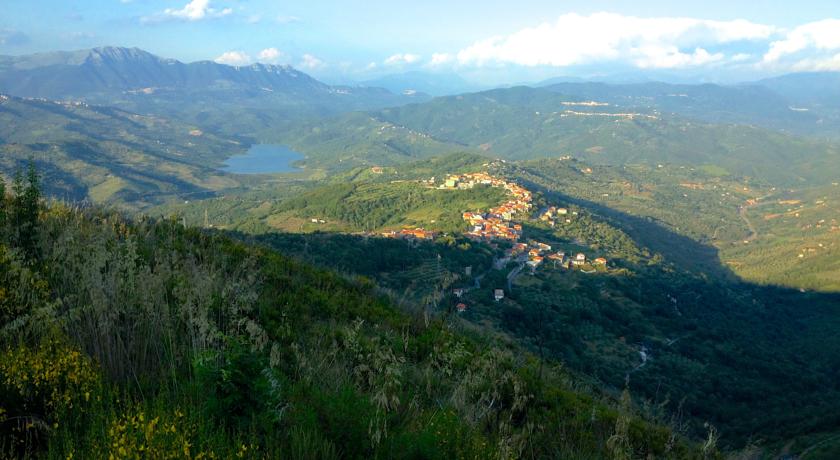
(462, 307)
(498, 294)
(458, 292)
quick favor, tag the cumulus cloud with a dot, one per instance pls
(234, 58)
(401, 59)
(663, 42)
(270, 56)
(817, 64)
(310, 62)
(196, 10)
(813, 46)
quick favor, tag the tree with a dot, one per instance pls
(2, 207)
(25, 209)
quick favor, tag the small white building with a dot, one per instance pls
(498, 294)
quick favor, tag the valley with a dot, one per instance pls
(373, 274)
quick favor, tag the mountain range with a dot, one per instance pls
(135, 80)
(87, 73)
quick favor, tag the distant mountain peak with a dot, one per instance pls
(97, 74)
(119, 54)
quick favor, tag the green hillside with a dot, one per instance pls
(716, 349)
(119, 336)
(107, 155)
(708, 218)
(354, 200)
(667, 291)
(526, 123)
(796, 240)
(356, 139)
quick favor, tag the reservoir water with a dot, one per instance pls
(264, 159)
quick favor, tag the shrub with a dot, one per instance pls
(41, 389)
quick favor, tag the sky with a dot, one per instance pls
(487, 41)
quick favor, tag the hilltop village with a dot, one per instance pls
(499, 224)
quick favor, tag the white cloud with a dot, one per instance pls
(270, 56)
(310, 62)
(440, 59)
(195, 10)
(820, 64)
(662, 42)
(235, 58)
(401, 59)
(821, 36)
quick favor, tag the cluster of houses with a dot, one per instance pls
(553, 214)
(411, 234)
(489, 227)
(495, 224)
(628, 116)
(536, 253)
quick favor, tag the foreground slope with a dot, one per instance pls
(122, 336)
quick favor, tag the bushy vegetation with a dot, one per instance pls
(144, 339)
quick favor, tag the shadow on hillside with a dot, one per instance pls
(682, 251)
(745, 357)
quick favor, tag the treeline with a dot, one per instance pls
(143, 339)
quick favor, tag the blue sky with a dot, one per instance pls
(489, 40)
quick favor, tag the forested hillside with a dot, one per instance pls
(527, 123)
(107, 155)
(530, 123)
(123, 336)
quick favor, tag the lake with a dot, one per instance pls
(264, 159)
